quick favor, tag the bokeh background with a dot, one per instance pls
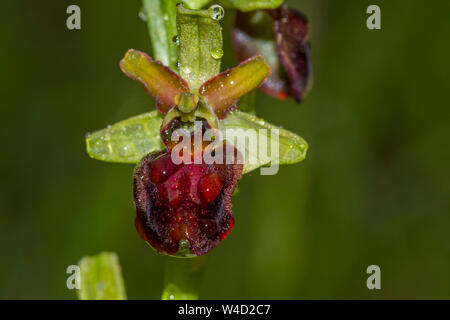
(373, 190)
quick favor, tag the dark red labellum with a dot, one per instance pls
(184, 209)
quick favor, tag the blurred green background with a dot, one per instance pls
(373, 190)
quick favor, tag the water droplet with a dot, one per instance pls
(217, 12)
(178, 65)
(125, 151)
(217, 53)
(176, 39)
(186, 70)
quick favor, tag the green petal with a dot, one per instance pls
(292, 148)
(101, 278)
(224, 90)
(250, 5)
(127, 141)
(200, 45)
(130, 140)
(159, 81)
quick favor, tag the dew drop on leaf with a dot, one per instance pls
(186, 70)
(217, 12)
(217, 53)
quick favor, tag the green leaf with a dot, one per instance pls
(127, 141)
(195, 4)
(250, 5)
(160, 16)
(292, 148)
(101, 278)
(200, 44)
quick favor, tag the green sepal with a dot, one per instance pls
(140, 135)
(292, 147)
(127, 141)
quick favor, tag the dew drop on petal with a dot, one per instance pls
(210, 187)
(186, 70)
(161, 170)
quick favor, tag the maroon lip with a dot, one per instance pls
(184, 203)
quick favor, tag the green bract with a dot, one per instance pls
(101, 278)
(130, 140)
(200, 44)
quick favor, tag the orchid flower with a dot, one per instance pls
(185, 209)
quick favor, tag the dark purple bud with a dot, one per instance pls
(280, 35)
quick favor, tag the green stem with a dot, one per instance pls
(182, 278)
(196, 52)
(160, 16)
